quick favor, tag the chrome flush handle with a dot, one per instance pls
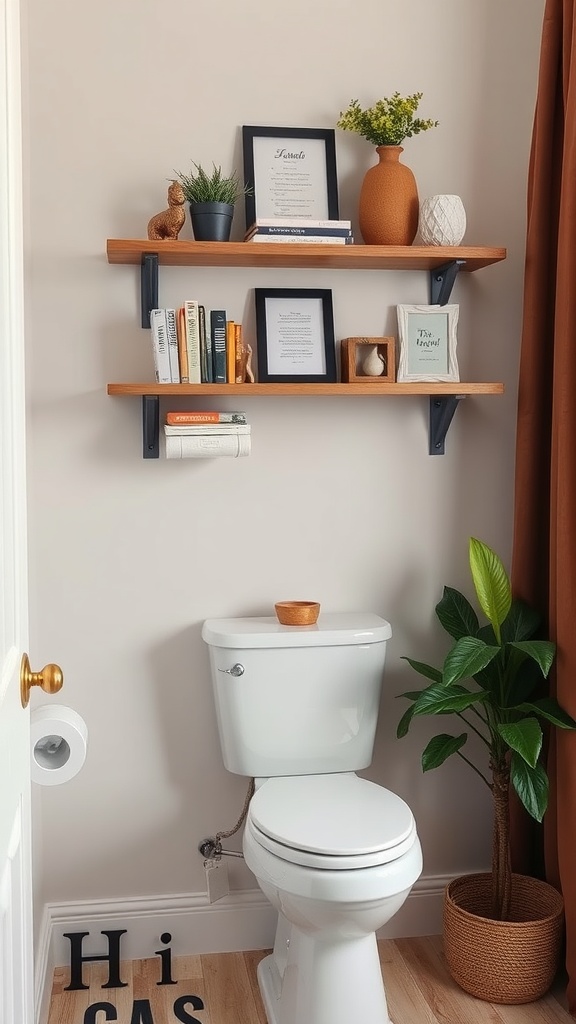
(236, 670)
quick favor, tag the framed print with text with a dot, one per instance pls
(291, 173)
(427, 337)
(295, 336)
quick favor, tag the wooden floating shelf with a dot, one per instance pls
(371, 387)
(290, 255)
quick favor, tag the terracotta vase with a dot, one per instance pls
(389, 201)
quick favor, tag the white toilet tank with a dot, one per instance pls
(297, 700)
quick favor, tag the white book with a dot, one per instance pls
(193, 340)
(302, 239)
(172, 346)
(206, 447)
(160, 346)
(298, 222)
(207, 429)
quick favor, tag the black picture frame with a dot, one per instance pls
(296, 204)
(277, 312)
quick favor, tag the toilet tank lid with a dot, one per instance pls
(331, 630)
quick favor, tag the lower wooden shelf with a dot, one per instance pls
(444, 398)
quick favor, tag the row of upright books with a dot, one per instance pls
(300, 229)
(192, 345)
(205, 435)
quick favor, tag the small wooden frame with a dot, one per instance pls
(351, 357)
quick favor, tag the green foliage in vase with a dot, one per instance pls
(201, 187)
(504, 668)
(388, 122)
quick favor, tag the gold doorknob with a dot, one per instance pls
(50, 679)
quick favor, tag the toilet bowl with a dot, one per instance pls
(335, 854)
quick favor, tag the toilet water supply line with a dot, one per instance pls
(211, 848)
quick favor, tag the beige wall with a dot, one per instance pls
(339, 500)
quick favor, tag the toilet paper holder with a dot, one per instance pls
(50, 679)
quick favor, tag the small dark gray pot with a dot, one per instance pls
(211, 222)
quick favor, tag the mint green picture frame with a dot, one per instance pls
(428, 338)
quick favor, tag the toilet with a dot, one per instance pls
(336, 855)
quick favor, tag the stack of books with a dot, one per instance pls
(192, 345)
(300, 229)
(206, 435)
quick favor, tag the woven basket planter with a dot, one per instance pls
(503, 961)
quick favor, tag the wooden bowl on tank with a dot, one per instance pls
(297, 613)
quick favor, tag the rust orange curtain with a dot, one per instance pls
(544, 555)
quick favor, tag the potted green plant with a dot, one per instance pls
(502, 931)
(389, 207)
(212, 197)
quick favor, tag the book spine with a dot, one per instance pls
(282, 230)
(239, 355)
(173, 345)
(308, 239)
(193, 341)
(206, 429)
(182, 349)
(160, 346)
(218, 338)
(205, 348)
(230, 352)
(298, 222)
(174, 418)
(206, 447)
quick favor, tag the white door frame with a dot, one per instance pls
(16, 943)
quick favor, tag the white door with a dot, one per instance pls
(16, 984)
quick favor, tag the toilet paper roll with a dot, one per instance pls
(59, 740)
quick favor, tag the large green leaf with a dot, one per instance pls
(491, 583)
(404, 723)
(425, 670)
(541, 651)
(437, 700)
(456, 614)
(550, 709)
(441, 747)
(521, 622)
(525, 737)
(467, 657)
(531, 785)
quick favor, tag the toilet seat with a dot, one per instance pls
(331, 822)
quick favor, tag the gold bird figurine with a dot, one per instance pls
(169, 223)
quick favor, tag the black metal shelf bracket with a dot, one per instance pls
(148, 286)
(442, 409)
(150, 427)
(442, 281)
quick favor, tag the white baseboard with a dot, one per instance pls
(242, 920)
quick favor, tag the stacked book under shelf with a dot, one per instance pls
(206, 435)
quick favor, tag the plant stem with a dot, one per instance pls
(474, 768)
(474, 729)
(501, 869)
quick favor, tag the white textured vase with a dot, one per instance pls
(442, 220)
(373, 364)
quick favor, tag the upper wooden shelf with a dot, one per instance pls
(274, 254)
(370, 387)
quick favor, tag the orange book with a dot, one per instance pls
(182, 349)
(240, 359)
(173, 419)
(230, 352)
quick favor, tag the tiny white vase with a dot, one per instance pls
(373, 364)
(442, 220)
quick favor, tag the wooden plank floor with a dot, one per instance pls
(418, 987)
